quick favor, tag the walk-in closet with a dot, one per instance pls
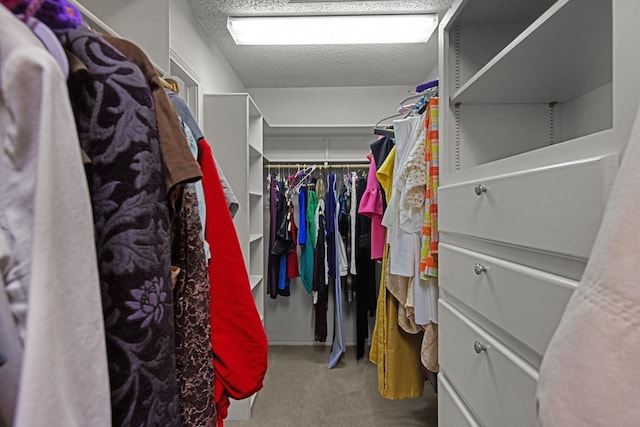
(319, 213)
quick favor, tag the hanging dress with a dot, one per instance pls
(194, 355)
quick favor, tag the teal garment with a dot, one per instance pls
(202, 210)
(308, 250)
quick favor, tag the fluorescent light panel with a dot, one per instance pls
(317, 30)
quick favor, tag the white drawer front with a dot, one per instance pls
(525, 302)
(556, 208)
(451, 409)
(497, 385)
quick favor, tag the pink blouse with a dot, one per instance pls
(371, 206)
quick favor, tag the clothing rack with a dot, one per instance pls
(319, 166)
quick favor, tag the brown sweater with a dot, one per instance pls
(179, 165)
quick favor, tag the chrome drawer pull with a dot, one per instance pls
(479, 268)
(479, 347)
(480, 189)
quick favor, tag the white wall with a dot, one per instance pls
(189, 41)
(161, 26)
(144, 22)
(328, 106)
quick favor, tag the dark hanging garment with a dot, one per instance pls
(380, 149)
(284, 243)
(319, 282)
(117, 129)
(194, 356)
(364, 282)
(273, 263)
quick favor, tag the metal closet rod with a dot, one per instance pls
(318, 166)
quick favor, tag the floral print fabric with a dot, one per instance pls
(194, 355)
(117, 129)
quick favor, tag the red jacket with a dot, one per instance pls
(238, 338)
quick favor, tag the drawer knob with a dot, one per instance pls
(479, 268)
(480, 189)
(479, 347)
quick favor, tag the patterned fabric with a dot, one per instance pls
(412, 200)
(194, 356)
(430, 239)
(117, 129)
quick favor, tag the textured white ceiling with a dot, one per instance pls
(306, 66)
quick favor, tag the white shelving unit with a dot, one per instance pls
(236, 127)
(536, 107)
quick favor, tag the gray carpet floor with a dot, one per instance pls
(299, 391)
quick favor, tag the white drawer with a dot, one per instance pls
(497, 386)
(525, 302)
(556, 208)
(451, 409)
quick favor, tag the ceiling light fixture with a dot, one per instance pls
(317, 30)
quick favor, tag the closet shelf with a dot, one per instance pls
(563, 54)
(500, 11)
(253, 193)
(255, 281)
(254, 152)
(255, 237)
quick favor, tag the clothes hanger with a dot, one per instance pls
(169, 83)
(302, 180)
(385, 131)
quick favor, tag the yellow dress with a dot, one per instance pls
(396, 352)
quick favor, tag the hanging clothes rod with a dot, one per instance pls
(318, 165)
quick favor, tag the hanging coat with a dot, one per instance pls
(238, 338)
(117, 127)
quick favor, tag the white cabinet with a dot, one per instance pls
(536, 103)
(234, 127)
